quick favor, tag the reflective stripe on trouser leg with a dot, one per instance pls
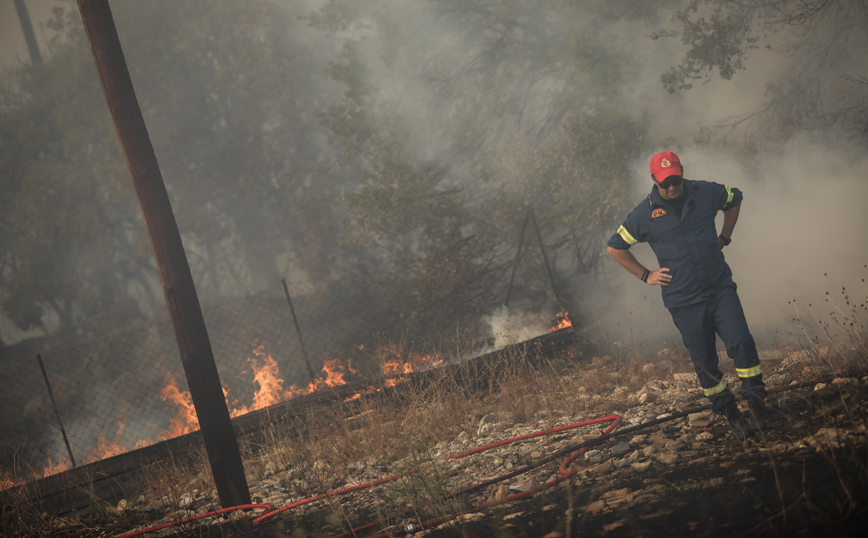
(716, 390)
(732, 327)
(696, 324)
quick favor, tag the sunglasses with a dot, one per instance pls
(671, 181)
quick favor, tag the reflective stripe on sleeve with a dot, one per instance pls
(717, 389)
(625, 235)
(729, 193)
(749, 372)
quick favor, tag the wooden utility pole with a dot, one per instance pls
(178, 287)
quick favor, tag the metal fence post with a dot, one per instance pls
(56, 412)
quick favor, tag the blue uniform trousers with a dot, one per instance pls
(721, 314)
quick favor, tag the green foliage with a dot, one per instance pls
(820, 86)
(227, 93)
(719, 40)
(458, 115)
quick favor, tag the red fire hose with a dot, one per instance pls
(565, 473)
(572, 452)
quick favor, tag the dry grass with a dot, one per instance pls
(413, 424)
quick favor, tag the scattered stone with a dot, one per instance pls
(642, 465)
(666, 458)
(704, 436)
(186, 501)
(658, 446)
(596, 507)
(799, 357)
(502, 492)
(648, 396)
(779, 380)
(621, 449)
(602, 468)
(700, 420)
(845, 381)
(617, 496)
(675, 445)
(684, 379)
(591, 454)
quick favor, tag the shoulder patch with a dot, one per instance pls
(659, 212)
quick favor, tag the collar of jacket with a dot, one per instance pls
(655, 199)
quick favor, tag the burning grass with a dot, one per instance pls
(400, 423)
(411, 425)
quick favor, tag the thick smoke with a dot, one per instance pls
(802, 213)
(802, 197)
(796, 238)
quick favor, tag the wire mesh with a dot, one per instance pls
(129, 391)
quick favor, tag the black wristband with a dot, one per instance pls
(726, 240)
(645, 275)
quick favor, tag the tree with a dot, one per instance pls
(58, 229)
(454, 117)
(821, 87)
(229, 93)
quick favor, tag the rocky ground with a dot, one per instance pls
(806, 475)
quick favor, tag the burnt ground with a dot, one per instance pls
(746, 490)
(807, 475)
(773, 484)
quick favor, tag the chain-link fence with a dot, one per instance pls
(87, 402)
(77, 404)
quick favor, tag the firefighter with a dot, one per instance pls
(677, 220)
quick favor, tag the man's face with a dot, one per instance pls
(671, 188)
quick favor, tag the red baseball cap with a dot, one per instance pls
(665, 164)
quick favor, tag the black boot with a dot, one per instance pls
(739, 424)
(758, 412)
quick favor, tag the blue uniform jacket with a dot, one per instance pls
(686, 245)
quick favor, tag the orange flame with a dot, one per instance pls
(335, 372)
(363, 413)
(185, 419)
(406, 362)
(397, 368)
(6, 480)
(563, 321)
(106, 449)
(269, 392)
(391, 382)
(270, 385)
(54, 468)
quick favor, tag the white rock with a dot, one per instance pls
(704, 436)
(642, 465)
(186, 501)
